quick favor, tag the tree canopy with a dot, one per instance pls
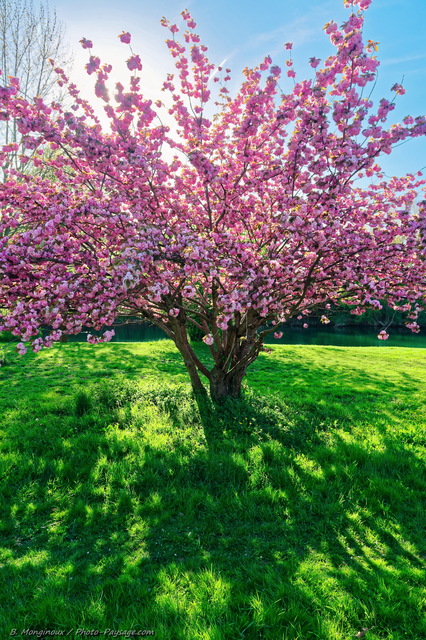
(249, 210)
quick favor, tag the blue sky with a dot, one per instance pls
(243, 32)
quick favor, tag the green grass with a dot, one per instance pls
(297, 514)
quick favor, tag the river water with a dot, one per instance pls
(344, 337)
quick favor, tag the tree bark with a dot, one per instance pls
(225, 385)
(231, 361)
(197, 386)
(191, 362)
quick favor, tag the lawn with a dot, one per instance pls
(297, 514)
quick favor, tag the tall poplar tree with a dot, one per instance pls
(29, 36)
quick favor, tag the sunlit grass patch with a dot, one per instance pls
(296, 513)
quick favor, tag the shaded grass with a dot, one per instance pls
(297, 513)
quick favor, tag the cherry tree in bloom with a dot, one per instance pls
(234, 222)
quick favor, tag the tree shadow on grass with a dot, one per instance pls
(267, 522)
(299, 527)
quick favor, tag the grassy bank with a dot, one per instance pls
(298, 514)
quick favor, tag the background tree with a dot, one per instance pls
(29, 37)
(235, 223)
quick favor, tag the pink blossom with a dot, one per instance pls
(22, 350)
(86, 44)
(108, 335)
(208, 339)
(93, 64)
(330, 27)
(278, 334)
(305, 325)
(125, 37)
(413, 326)
(134, 62)
(398, 88)
(383, 335)
(363, 4)
(174, 312)
(101, 90)
(14, 82)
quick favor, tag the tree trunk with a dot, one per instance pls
(226, 376)
(231, 362)
(181, 341)
(197, 386)
(226, 385)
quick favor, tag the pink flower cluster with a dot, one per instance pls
(125, 37)
(251, 216)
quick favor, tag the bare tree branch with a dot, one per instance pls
(29, 36)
